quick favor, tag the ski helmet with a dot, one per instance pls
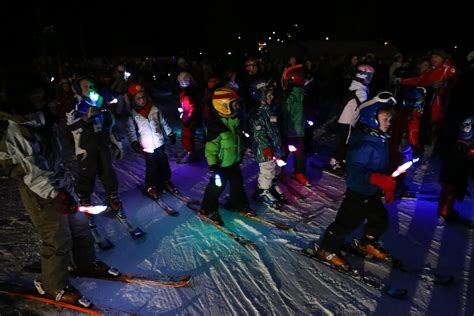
(260, 87)
(414, 97)
(185, 79)
(364, 73)
(134, 88)
(294, 75)
(465, 129)
(223, 101)
(369, 109)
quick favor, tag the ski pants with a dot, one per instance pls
(63, 237)
(238, 198)
(269, 171)
(98, 161)
(157, 168)
(355, 208)
(187, 137)
(299, 156)
(343, 134)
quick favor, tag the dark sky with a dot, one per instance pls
(134, 27)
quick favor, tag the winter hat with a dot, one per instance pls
(135, 88)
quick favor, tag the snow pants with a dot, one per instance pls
(98, 161)
(238, 198)
(157, 168)
(355, 208)
(63, 238)
(187, 137)
(269, 171)
(299, 156)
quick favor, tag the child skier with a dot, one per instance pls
(266, 142)
(190, 118)
(367, 160)
(358, 93)
(294, 120)
(146, 131)
(223, 152)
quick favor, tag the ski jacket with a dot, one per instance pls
(265, 133)
(367, 153)
(350, 113)
(188, 104)
(223, 146)
(149, 131)
(91, 133)
(292, 113)
(21, 155)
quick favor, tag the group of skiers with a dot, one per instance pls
(276, 129)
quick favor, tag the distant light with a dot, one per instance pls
(327, 38)
(282, 41)
(239, 37)
(291, 148)
(169, 75)
(229, 53)
(455, 47)
(246, 134)
(52, 79)
(200, 53)
(269, 38)
(273, 32)
(288, 34)
(310, 123)
(295, 25)
(126, 75)
(385, 43)
(278, 39)
(146, 58)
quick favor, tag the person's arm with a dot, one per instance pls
(212, 149)
(37, 177)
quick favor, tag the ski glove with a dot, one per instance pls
(137, 147)
(64, 202)
(267, 153)
(172, 138)
(386, 183)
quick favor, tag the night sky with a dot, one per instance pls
(134, 28)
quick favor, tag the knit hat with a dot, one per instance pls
(135, 88)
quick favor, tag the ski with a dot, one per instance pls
(297, 194)
(312, 190)
(162, 204)
(260, 220)
(22, 292)
(134, 231)
(145, 279)
(100, 241)
(183, 198)
(354, 274)
(394, 263)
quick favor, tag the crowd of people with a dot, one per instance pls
(271, 111)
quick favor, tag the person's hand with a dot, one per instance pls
(64, 202)
(172, 138)
(386, 183)
(267, 153)
(137, 147)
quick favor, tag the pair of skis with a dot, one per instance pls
(29, 293)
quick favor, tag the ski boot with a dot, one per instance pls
(301, 179)
(116, 205)
(214, 217)
(68, 294)
(265, 197)
(152, 193)
(95, 269)
(335, 260)
(278, 194)
(371, 248)
(169, 187)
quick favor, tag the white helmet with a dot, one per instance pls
(185, 79)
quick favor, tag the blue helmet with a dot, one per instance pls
(369, 109)
(465, 129)
(414, 97)
(258, 89)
